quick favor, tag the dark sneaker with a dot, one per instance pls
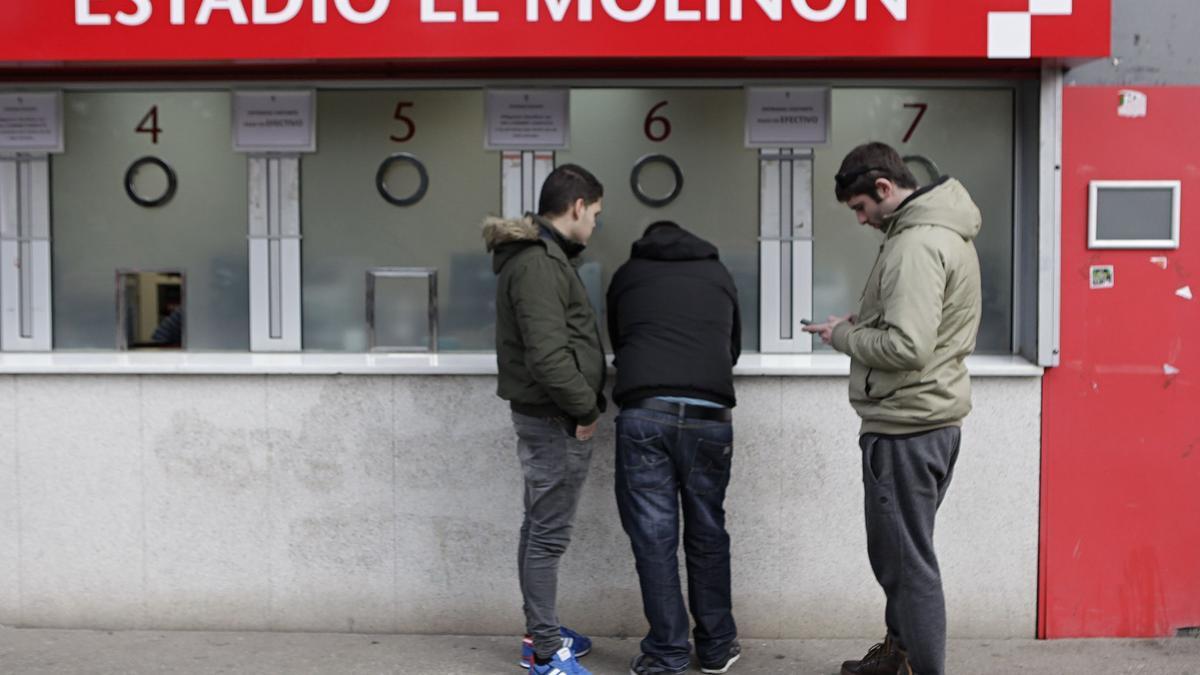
(884, 658)
(722, 666)
(644, 664)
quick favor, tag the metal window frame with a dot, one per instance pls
(427, 273)
(1049, 227)
(1094, 188)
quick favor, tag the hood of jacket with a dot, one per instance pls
(945, 203)
(506, 237)
(668, 241)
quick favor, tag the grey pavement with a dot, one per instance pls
(57, 652)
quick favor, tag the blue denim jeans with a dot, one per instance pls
(665, 464)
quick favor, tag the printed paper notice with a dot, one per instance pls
(533, 119)
(31, 122)
(274, 121)
(786, 116)
(1131, 103)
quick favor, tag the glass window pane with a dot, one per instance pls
(611, 130)
(349, 228)
(968, 134)
(98, 229)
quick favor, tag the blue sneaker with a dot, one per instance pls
(578, 643)
(562, 663)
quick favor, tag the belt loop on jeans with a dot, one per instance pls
(682, 411)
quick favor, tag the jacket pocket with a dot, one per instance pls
(881, 384)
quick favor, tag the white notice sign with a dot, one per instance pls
(31, 122)
(783, 117)
(532, 119)
(274, 121)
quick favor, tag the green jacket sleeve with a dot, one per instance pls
(539, 300)
(913, 282)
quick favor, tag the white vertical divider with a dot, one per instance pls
(1049, 315)
(25, 293)
(522, 174)
(274, 240)
(785, 248)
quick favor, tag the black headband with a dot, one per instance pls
(844, 180)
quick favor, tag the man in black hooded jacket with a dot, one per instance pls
(674, 324)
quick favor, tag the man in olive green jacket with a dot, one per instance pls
(917, 322)
(551, 371)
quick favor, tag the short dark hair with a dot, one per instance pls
(868, 163)
(564, 185)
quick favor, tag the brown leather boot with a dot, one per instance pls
(884, 658)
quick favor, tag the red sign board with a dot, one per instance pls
(73, 31)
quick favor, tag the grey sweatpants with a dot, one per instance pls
(905, 479)
(555, 467)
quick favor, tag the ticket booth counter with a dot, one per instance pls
(248, 291)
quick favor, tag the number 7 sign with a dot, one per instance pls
(921, 108)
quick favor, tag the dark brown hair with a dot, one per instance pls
(566, 184)
(868, 163)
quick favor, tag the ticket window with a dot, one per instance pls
(964, 133)
(697, 172)
(400, 179)
(150, 310)
(149, 190)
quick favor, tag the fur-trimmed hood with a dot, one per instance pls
(506, 237)
(497, 231)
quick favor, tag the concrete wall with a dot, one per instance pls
(1153, 43)
(391, 504)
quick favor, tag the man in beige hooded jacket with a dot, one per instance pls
(916, 324)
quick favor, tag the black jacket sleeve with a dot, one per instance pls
(735, 338)
(613, 321)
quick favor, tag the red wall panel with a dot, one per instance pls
(1121, 437)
